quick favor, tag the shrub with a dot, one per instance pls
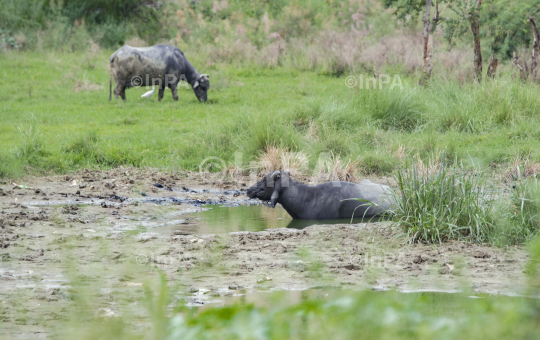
(80, 39)
(57, 34)
(7, 41)
(112, 34)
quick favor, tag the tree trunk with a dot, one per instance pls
(428, 66)
(436, 18)
(474, 17)
(492, 68)
(536, 48)
(523, 71)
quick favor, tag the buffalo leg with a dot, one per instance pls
(116, 91)
(123, 93)
(160, 93)
(174, 92)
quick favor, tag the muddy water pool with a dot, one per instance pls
(443, 300)
(214, 219)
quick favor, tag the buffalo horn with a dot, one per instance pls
(275, 173)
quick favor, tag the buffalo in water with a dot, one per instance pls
(327, 201)
(159, 65)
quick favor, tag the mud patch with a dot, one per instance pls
(98, 230)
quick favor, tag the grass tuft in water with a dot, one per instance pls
(438, 202)
(523, 222)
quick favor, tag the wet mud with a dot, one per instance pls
(113, 231)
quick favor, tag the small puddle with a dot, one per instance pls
(203, 300)
(226, 219)
(284, 298)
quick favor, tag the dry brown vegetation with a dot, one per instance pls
(86, 85)
(339, 53)
(329, 167)
(521, 168)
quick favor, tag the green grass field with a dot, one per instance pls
(61, 129)
(47, 126)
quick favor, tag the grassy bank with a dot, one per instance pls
(55, 117)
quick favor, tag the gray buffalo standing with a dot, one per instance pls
(159, 65)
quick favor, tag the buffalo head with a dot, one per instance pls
(270, 187)
(201, 86)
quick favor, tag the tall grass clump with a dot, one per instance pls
(397, 110)
(437, 202)
(458, 108)
(11, 167)
(479, 108)
(523, 223)
(343, 115)
(31, 143)
(266, 129)
(88, 151)
(32, 151)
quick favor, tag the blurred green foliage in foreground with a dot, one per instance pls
(339, 315)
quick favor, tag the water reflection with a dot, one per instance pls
(435, 301)
(301, 224)
(220, 219)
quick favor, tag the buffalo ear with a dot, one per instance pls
(196, 84)
(273, 199)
